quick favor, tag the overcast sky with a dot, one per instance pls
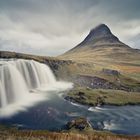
(51, 27)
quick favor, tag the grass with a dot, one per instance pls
(15, 134)
(108, 97)
(113, 57)
(7, 55)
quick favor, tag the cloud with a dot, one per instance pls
(51, 27)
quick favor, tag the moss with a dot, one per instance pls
(102, 96)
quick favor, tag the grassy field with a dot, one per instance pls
(101, 96)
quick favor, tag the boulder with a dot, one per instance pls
(80, 123)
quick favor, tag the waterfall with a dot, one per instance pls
(35, 74)
(12, 85)
(19, 77)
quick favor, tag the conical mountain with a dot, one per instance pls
(100, 36)
(101, 44)
(99, 54)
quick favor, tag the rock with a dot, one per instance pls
(111, 72)
(88, 88)
(68, 98)
(80, 123)
(95, 82)
(81, 93)
(100, 100)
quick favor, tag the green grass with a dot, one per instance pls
(109, 97)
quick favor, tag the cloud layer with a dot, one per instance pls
(51, 27)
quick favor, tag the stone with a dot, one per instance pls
(80, 123)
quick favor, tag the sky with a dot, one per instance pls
(51, 27)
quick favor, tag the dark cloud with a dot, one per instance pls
(50, 27)
(123, 9)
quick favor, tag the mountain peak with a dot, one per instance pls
(100, 30)
(100, 33)
(99, 37)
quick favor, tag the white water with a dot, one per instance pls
(18, 78)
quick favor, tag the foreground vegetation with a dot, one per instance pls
(95, 97)
(15, 134)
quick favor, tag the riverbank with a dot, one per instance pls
(94, 97)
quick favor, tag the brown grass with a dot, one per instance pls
(130, 69)
(44, 135)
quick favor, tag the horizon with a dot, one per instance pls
(50, 28)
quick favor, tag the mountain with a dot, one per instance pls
(102, 46)
(98, 37)
(101, 49)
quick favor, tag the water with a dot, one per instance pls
(40, 105)
(54, 113)
(20, 80)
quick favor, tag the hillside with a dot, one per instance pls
(100, 55)
(103, 49)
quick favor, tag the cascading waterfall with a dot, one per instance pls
(19, 77)
(35, 74)
(12, 85)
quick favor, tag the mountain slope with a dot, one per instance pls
(98, 37)
(104, 49)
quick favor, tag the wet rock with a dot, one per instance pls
(80, 123)
(81, 93)
(100, 100)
